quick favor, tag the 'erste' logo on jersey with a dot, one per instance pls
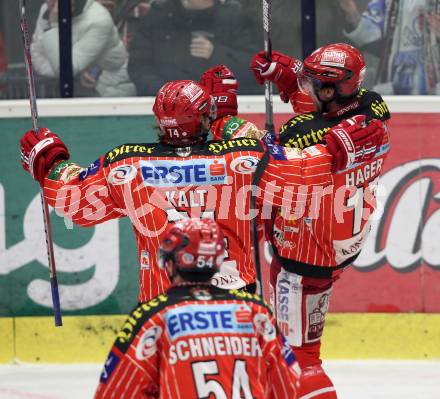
(202, 319)
(183, 173)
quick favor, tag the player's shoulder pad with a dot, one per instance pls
(373, 105)
(221, 147)
(131, 150)
(298, 123)
(249, 297)
(304, 130)
(137, 318)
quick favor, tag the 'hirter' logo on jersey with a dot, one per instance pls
(126, 151)
(182, 173)
(240, 144)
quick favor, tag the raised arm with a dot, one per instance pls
(291, 173)
(80, 194)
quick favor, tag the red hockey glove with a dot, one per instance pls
(353, 142)
(39, 151)
(302, 103)
(283, 71)
(222, 85)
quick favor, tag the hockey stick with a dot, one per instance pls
(34, 115)
(267, 24)
(261, 166)
(270, 128)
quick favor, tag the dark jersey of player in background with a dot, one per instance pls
(197, 341)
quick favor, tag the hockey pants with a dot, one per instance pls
(301, 304)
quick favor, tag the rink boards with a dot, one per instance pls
(87, 339)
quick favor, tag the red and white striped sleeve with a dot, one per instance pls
(80, 194)
(292, 175)
(135, 372)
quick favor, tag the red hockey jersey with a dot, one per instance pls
(153, 185)
(197, 341)
(332, 227)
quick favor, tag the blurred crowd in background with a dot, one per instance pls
(131, 47)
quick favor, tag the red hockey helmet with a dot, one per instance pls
(179, 108)
(193, 245)
(339, 64)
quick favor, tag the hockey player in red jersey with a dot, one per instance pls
(184, 175)
(311, 251)
(196, 340)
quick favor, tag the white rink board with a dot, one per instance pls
(353, 380)
(143, 106)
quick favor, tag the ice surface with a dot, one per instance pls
(353, 380)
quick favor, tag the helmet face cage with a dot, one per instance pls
(310, 86)
(311, 83)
